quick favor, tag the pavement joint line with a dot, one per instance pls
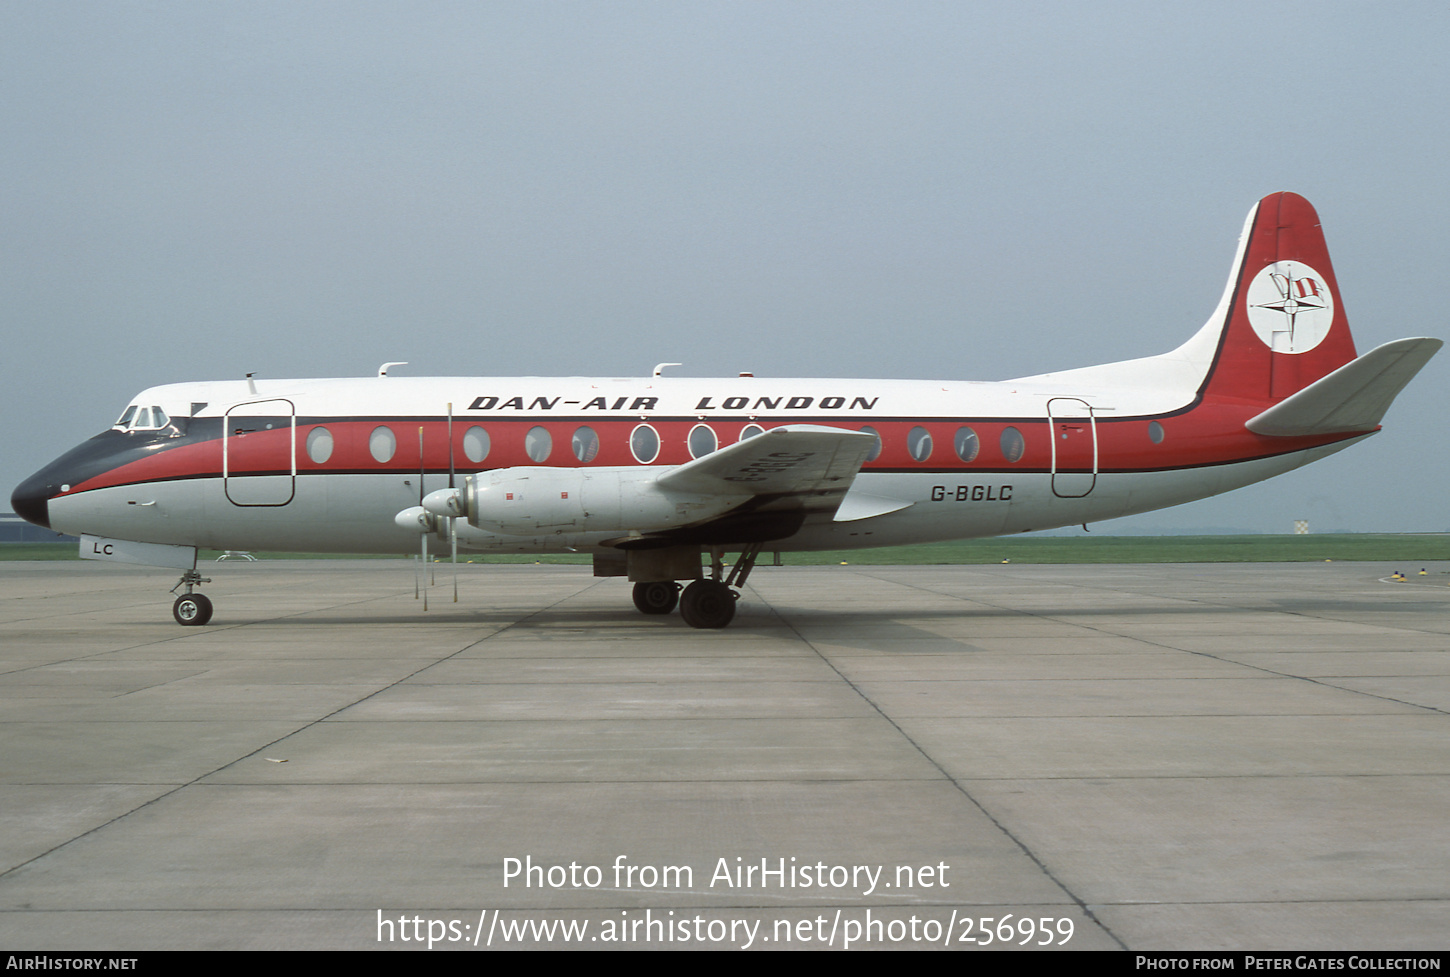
(1192, 651)
(307, 725)
(1006, 832)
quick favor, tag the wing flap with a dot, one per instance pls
(859, 505)
(1353, 397)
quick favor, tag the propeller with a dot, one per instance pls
(421, 521)
(452, 522)
(425, 521)
(421, 470)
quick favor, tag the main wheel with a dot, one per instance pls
(708, 604)
(656, 596)
(192, 610)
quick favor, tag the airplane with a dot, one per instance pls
(652, 474)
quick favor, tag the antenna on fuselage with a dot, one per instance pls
(660, 368)
(383, 370)
(252, 387)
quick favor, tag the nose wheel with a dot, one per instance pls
(191, 610)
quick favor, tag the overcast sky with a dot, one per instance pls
(941, 190)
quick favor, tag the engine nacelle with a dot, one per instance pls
(527, 501)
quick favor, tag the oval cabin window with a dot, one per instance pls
(319, 445)
(966, 444)
(475, 444)
(918, 443)
(538, 444)
(382, 445)
(702, 441)
(585, 444)
(644, 443)
(875, 451)
(1012, 444)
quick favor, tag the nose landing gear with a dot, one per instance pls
(190, 609)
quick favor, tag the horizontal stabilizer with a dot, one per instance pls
(1353, 397)
(798, 460)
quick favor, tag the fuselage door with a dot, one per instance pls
(259, 453)
(1074, 447)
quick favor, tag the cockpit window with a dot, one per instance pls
(137, 418)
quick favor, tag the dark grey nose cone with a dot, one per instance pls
(31, 500)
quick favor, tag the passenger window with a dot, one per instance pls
(1012, 444)
(966, 444)
(475, 444)
(585, 444)
(702, 441)
(918, 443)
(1155, 432)
(382, 444)
(319, 445)
(644, 443)
(750, 431)
(875, 451)
(538, 444)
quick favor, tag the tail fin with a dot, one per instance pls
(1281, 323)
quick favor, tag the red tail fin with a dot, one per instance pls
(1285, 326)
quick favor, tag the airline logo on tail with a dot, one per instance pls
(1290, 307)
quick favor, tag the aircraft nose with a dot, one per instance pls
(31, 500)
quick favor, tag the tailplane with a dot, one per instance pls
(1353, 397)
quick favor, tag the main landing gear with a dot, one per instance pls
(656, 596)
(191, 610)
(704, 603)
(708, 604)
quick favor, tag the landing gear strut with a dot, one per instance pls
(191, 610)
(656, 597)
(711, 603)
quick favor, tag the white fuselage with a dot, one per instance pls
(1087, 453)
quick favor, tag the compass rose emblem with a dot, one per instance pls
(1290, 307)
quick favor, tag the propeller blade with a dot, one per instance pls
(422, 473)
(452, 525)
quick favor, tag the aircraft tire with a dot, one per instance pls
(656, 596)
(708, 604)
(191, 610)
